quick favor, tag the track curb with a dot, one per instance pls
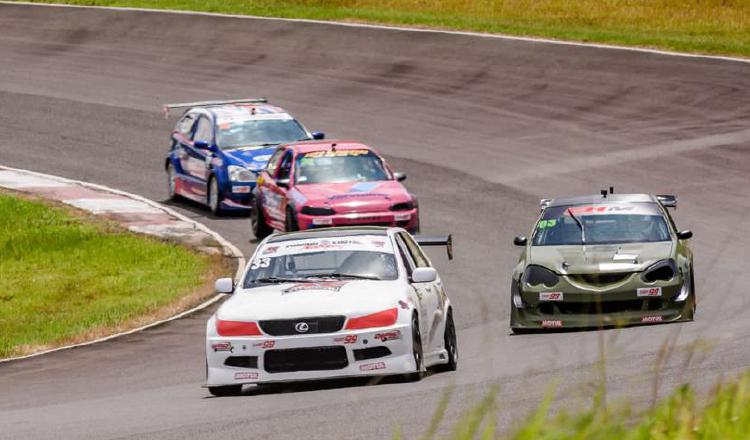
(228, 248)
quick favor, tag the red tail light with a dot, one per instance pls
(237, 328)
(380, 319)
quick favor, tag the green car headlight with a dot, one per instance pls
(536, 275)
(663, 270)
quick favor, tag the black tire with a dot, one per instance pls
(290, 224)
(258, 222)
(213, 196)
(416, 339)
(693, 298)
(521, 331)
(171, 181)
(451, 344)
(225, 391)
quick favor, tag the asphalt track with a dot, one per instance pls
(483, 128)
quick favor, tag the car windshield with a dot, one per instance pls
(339, 166)
(245, 133)
(320, 260)
(601, 224)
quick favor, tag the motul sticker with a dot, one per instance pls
(649, 319)
(245, 375)
(550, 296)
(649, 291)
(223, 346)
(552, 323)
(388, 336)
(375, 366)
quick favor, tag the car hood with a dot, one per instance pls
(298, 300)
(254, 158)
(628, 257)
(354, 196)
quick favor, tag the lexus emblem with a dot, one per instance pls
(302, 327)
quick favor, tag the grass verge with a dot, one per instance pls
(67, 276)
(725, 416)
(700, 26)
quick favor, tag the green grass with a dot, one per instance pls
(725, 416)
(703, 26)
(65, 278)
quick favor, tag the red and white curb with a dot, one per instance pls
(134, 212)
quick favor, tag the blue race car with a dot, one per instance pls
(218, 148)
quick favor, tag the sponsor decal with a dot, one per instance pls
(322, 221)
(370, 367)
(550, 296)
(378, 243)
(331, 286)
(388, 336)
(357, 195)
(222, 346)
(240, 189)
(348, 339)
(401, 217)
(265, 344)
(246, 375)
(601, 209)
(270, 250)
(337, 153)
(650, 319)
(552, 323)
(649, 291)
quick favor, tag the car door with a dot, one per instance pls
(273, 194)
(430, 312)
(197, 166)
(181, 136)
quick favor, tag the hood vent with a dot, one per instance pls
(601, 279)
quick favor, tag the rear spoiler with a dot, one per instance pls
(437, 240)
(667, 200)
(168, 107)
(543, 203)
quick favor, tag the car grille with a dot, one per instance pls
(305, 359)
(600, 279)
(605, 307)
(242, 361)
(317, 324)
(371, 353)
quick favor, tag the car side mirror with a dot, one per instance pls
(685, 235)
(224, 285)
(284, 183)
(201, 145)
(400, 177)
(423, 275)
(520, 241)
(318, 135)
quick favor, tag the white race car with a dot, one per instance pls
(327, 303)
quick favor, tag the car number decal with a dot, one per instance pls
(649, 291)
(550, 296)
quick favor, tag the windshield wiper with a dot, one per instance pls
(347, 275)
(580, 225)
(281, 280)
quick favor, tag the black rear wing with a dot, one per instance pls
(667, 200)
(437, 240)
(168, 107)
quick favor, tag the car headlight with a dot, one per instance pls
(240, 174)
(663, 270)
(313, 210)
(535, 275)
(404, 206)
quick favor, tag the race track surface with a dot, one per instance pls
(483, 127)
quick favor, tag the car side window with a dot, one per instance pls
(405, 256)
(285, 168)
(273, 162)
(415, 251)
(203, 130)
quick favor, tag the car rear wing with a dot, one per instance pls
(437, 240)
(543, 203)
(667, 200)
(168, 107)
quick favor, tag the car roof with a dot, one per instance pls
(338, 232)
(241, 112)
(598, 198)
(325, 145)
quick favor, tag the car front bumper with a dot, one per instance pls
(408, 220)
(265, 359)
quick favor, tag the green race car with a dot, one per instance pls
(602, 261)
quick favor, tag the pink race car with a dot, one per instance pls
(330, 183)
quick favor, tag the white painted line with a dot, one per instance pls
(14, 180)
(230, 250)
(400, 29)
(114, 206)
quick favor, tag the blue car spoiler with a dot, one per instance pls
(168, 107)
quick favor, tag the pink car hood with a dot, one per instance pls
(351, 196)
